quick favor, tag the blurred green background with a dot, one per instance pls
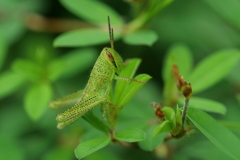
(27, 57)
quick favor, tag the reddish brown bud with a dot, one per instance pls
(182, 85)
(158, 111)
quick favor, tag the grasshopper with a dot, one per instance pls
(107, 67)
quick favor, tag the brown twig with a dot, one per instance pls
(39, 23)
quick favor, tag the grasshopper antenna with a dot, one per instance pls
(110, 33)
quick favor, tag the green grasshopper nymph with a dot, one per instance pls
(108, 65)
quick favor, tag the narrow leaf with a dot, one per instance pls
(178, 127)
(207, 105)
(220, 136)
(10, 82)
(36, 100)
(169, 114)
(93, 11)
(151, 141)
(132, 89)
(178, 116)
(234, 126)
(131, 135)
(82, 37)
(91, 146)
(143, 37)
(214, 68)
(166, 126)
(128, 72)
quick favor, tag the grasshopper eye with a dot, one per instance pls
(110, 56)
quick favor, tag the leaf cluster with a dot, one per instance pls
(32, 74)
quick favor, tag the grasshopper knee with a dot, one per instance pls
(52, 105)
(60, 125)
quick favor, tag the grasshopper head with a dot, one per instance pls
(110, 54)
(113, 58)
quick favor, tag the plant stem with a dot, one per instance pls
(136, 24)
(185, 107)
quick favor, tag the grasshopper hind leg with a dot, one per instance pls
(72, 114)
(66, 101)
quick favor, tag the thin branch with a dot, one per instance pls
(53, 25)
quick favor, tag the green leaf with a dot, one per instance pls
(95, 122)
(36, 100)
(27, 68)
(157, 6)
(234, 126)
(128, 72)
(131, 135)
(72, 63)
(151, 141)
(200, 148)
(207, 105)
(178, 55)
(83, 37)
(88, 147)
(90, 133)
(93, 11)
(166, 126)
(169, 114)
(214, 68)
(3, 50)
(178, 127)
(125, 90)
(133, 88)
(78, 61)
(11, 28)
(10, 82)
(220, 136)
(143, 37)
(227, 8)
